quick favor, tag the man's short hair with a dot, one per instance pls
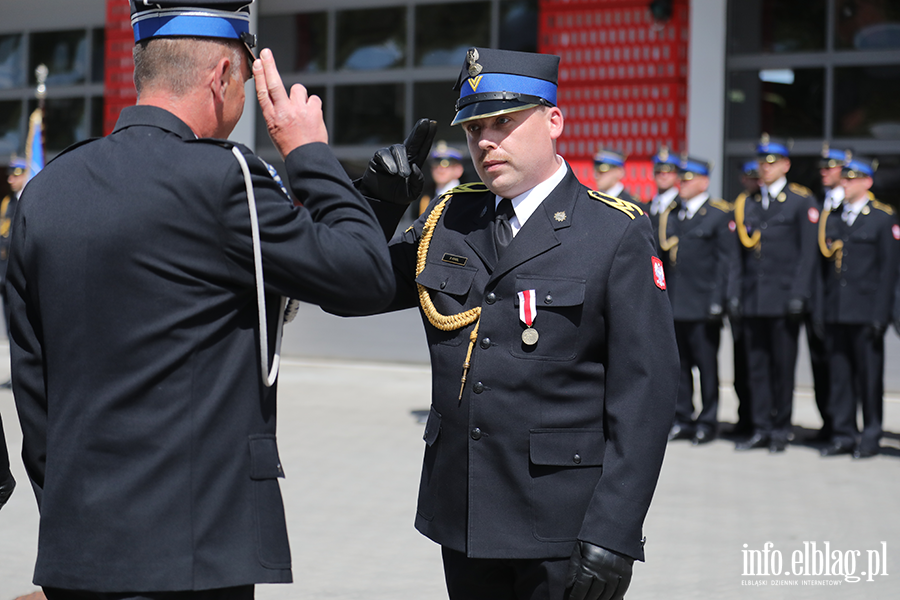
(176, 64)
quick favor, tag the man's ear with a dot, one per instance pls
(221, 78)
(556, 120)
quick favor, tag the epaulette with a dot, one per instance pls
(722, 205)
(800, 190)
(883, 207)
(629, 208)
(467, 188)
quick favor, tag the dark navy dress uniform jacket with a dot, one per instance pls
(149, 437)
(558, 441)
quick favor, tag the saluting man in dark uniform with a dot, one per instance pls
(861, 242)
(141, 324)
(552, 349)
(777, 231)
(609, 170)
(699, 250)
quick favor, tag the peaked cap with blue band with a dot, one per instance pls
(493, 82)
(608, 158)
(695, 166)
(664, 161)
(17, 165)
(223, 19)
(831, 157)
(856, 167)
(770, 149)
(750, 168)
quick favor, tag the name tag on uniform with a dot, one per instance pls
(455, 260)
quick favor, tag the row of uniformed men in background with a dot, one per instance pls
(776, 258)
(773, 260)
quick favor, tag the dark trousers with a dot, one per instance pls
(856, 364)
(243, 592)
(771, 360)
(504, 579)
(698, 346)
(818, 358)
(741, 379)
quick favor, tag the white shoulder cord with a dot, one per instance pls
(268, 377)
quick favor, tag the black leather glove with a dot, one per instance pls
(796, 308)
(7, 485)
(394, 174)
(714, 313)
(596, 573)
(876, 330)
(817, 329)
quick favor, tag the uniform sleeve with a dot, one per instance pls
(804, 277)
(641, 385)
(27, 358)
(330, 251)
(726, 250)
(889, 248)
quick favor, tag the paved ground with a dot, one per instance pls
(352, 449)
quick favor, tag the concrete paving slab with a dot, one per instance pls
(351, 449)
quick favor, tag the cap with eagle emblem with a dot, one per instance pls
(494, 82)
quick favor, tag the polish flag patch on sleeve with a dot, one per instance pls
(813, 215)
(659, 275)
(896, 231)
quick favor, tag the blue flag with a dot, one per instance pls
(34, 146)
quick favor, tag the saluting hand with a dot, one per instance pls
(292, 120)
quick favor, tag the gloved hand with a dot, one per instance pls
(394, 174)
(714, 313)
(817, 329)
(876, 330)
(796, 308)
(596, 573)
(7, 485)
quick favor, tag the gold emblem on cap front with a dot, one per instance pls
(472, 61)
(474, 81)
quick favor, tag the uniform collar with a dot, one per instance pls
(155, 117)
(774, 189)
(692, 205)
(525, 204)
(661, 201)
(615, 190)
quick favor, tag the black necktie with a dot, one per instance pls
(503, 233)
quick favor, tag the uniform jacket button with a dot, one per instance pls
(548, 299)
(486, 343)
(577, 459)
(478, 388)
(490, 298)
(475, 434)
(443, 284)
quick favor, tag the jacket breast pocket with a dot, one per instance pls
(265, 469)
(449, 286)
(559, 306)
(565, 466)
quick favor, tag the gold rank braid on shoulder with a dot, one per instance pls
(835, 252)
(629, 208)
(444, 322)
(747, 241)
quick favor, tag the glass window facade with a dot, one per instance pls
(379, 69)
(74, 101)
(815, 71)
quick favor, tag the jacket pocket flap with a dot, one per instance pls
(550, 292)
(432, 427)
(264, 461)
(567, 447)
(446, 278)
